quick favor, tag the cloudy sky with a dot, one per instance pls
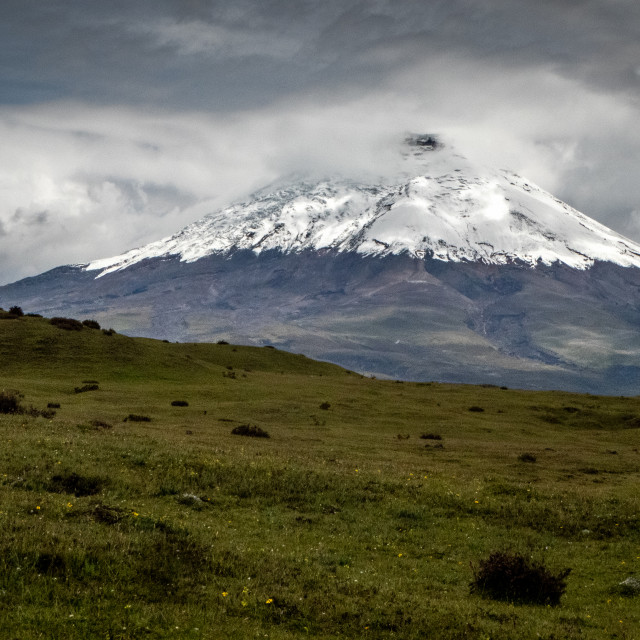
(120, 121)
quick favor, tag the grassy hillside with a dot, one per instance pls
(345, 522)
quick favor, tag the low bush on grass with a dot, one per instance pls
(108, 332)
(527, 457)
(91, 324)
(76, 484)
(101, 424)
(179, 403)
(431, 436)
(134, 417)
(10, 402)
(514, 578)
(250, 430)
(86, 387)
(53, 405)
(476, 409)
(68, 324)
(324, 406)
(16, 311)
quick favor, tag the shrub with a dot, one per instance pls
(68, 324)
(527, 457)
(101, 424)
(87, 387)
(250, 430)
(91, 324)
(76, 484)
(16, 311)
(137, 418)
(108, 332)
(431, 436)
(476, 409)
(222, 342)
(512, 577)
(179, 403)
(325, 406)
(53, 405)
(10, 402)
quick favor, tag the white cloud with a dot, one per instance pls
(217, 40)
(79, 182)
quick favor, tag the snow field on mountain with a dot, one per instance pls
(443, 206)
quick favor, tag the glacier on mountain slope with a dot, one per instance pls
(440, 205)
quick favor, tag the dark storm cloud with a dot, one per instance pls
(224, 55)
(125, 120)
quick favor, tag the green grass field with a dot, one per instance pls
(344, 523)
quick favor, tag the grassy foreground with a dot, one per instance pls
(344, 523)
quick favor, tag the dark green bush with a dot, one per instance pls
(476, 409)
(222, 342)
(325, 406)
(179, 403)
(137, 418)
(87, 387)
(91, 324)
(101, 424)
(108, 332)
(527, 457)
(53, 405)
(252, 431)
(514, 578)
(431, 436)
(10, 402)
(76, 484)
(68, 324)
(16, 311)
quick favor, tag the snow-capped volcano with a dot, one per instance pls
(439, 205)
(426, 274)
